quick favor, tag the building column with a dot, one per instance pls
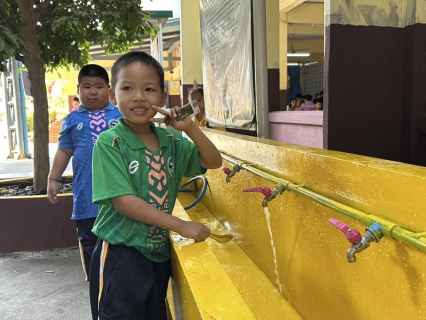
(283, 65)
(374, 79)
(190, 35)
(273, 54)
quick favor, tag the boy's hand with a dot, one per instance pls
(181, 125)
(52, 190)
(194, 230)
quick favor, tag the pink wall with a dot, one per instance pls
(297, 127)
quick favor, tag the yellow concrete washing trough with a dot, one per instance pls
(286, 261)
(219, 280)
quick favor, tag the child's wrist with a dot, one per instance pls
(179, 226)
(190, 127)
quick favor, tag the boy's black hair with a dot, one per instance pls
(308, 97)
(76, 99)
(299, 96)
(137, 56)
(93, 70)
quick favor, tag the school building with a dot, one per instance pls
(325, 209)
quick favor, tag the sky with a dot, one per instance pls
(169, 5)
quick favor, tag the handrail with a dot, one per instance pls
(389, 228)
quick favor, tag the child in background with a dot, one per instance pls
(292, 106)
(137, 171)
(197, 94)
(75, 103)
(79, 132)
(299, 101)
(319, 104)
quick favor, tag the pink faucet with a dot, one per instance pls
(230, 173)
(358, 243)
(267, 192)
(352, 235)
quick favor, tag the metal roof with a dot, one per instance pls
(171, 35)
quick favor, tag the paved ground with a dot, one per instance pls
(22, 168)
(46, 285)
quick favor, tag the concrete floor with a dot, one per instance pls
(23, 168)
(46, 285)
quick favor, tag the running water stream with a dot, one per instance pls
(274, 252)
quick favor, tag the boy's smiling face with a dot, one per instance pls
(137, 88)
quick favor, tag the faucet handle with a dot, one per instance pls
(265, 191)
(226, 170)
(352, 235)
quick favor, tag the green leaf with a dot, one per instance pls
(65, 37)
(62, 40)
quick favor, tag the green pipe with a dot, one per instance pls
(389, 228)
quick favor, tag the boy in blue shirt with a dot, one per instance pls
(137, 170)
(79, 132)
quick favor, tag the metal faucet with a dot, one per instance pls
(267, 192)
(358, 243)
(363, 244)
(230, 173)
(271, 196)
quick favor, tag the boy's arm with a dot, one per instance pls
(60, 163)
(139, 210)
(210, 157)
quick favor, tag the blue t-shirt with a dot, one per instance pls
(79, 132)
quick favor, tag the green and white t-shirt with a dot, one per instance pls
(122, 165)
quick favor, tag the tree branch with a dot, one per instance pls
(11, 24)
(44, 13)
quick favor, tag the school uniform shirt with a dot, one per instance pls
(122, 165)
(79, 132)
(199, 123)
(308, 106)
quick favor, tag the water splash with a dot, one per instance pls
(178, 239)
(274, 252)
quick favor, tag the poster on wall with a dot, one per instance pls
(227, 63)
(398, 14)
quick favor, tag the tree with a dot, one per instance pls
(45, 35)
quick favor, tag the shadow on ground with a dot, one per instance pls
(46, 285)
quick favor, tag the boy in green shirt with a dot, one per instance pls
(137, 170)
